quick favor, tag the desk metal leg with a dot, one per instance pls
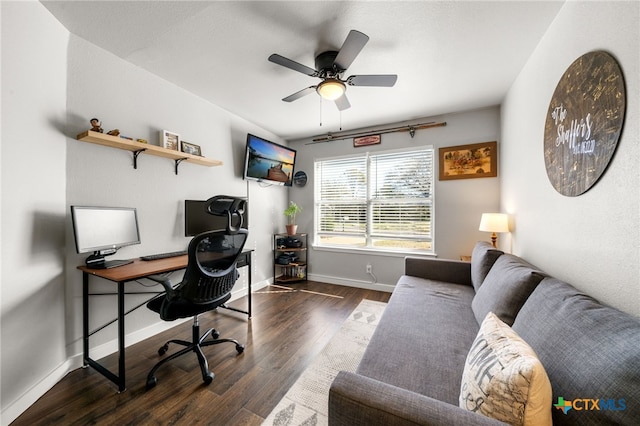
(87, 361)
(245, 260)
(85, 318)
(121, 337)
(249, 289)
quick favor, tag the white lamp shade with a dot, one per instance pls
(494, 222)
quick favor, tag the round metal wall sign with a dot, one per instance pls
(583, 124)
(300, 178)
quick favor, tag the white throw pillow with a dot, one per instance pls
(504, 379)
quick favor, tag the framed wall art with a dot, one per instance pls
(169, 140)
(472, 161)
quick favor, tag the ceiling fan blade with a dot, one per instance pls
(379, 80)
(342, 102)
(288, 63)
(300, 94)
(353, 44)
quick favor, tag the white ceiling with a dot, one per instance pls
(448, 55)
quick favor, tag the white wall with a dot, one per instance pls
(459, 203)
(34, 66)
(591, 241)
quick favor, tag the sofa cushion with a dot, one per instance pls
(503, 379)
(589, 350)
(505, 289)
(483, 257)
(423, 338)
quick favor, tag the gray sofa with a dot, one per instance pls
(412, 369)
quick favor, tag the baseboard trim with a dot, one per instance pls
(367, 285)
(20, 405)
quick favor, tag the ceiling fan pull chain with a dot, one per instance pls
(340, 120)
(320, 110)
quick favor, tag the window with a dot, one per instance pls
(379, 201)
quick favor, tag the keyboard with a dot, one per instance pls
(164, 255)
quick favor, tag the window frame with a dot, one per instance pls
(369, 202)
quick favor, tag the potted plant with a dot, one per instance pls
(290, 212)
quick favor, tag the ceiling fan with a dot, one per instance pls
(330, 66)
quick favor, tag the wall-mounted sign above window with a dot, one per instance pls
(366, 140)
(584, 122)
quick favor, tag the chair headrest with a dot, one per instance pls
(230, 207)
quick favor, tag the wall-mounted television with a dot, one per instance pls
(268, 162)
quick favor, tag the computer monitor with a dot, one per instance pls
(197, 220)
(103, 230)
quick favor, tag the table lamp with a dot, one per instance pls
(494, 222)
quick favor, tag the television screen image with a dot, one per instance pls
(268, 161)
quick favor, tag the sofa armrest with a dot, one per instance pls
(356, 400)
(452, 271)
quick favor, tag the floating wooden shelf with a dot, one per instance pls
(137, 147)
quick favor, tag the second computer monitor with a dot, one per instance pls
(197, 220)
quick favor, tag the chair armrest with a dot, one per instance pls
(356, 400)
(452, 271)
(166, 283)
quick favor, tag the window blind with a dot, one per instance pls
(382, 200)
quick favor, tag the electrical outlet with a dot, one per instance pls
(368, 268)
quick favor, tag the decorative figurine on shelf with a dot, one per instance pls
(114, 132)
(95, 125)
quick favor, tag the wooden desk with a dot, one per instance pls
(131, 272)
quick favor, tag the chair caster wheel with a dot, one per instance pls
(239, 349)
(163, 350)
(208, 378)
(151, 382)
(215, 334)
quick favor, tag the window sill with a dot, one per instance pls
(374, 251)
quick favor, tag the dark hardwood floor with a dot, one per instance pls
(287, 331)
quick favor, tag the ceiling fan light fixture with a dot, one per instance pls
(331, 89)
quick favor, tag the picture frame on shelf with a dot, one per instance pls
(169, 140)
(471, 161)
(191, 148)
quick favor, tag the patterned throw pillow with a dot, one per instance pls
(503, 378)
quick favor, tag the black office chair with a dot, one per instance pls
(206, 285)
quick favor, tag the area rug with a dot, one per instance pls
(306, 403)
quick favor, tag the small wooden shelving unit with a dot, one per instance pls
(294, 271)
(137, 148)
